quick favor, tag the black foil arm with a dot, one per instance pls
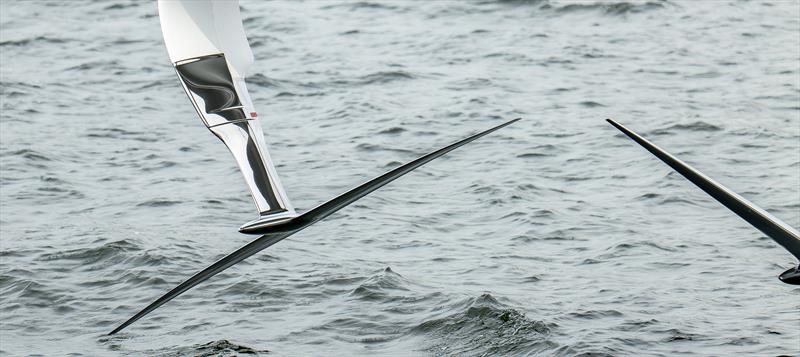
(770, 225)
(275, 234)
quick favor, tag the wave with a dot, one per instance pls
(484, 326)
(384, 286)
(117, 252)
(93, 255)
(159, 203)
(214, 348)
(384, 77)
(698, 126)
(35, 40)
(367, 5)
(620, 8)
(29, 154)
(614, 8)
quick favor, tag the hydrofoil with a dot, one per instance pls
(208, 47)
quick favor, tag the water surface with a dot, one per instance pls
(555, 236)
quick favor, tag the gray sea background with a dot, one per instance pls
(556, 236)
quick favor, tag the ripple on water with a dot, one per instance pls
(93, 255)
(484, 326)
(38, 40)
(94, 122)
(29, 154)
(612, 8)
(384, 286)
(698, 126)
(214, 348)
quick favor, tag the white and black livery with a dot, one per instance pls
(208, 47)
(206, 43)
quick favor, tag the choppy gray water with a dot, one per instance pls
(556, 236)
